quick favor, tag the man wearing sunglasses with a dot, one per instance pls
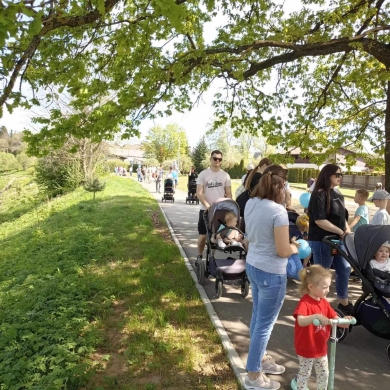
(212, 183)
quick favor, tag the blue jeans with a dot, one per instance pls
(322, 256)
(294, 265)
(268, 292)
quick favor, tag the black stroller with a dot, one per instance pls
(168, 190)
(192, 198)
(372, 310)
(230, 268)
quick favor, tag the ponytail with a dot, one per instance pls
(312, 275)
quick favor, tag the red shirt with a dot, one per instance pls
(312, 341)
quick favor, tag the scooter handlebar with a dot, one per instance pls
(337, 321)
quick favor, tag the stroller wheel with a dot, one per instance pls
(200, 270)
(388, 352)
(219, 288)
(341, 333)
(245, 288)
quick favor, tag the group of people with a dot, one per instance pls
(270, 246)
(158, 175)
(120, 171)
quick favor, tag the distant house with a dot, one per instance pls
(339, 159)
(132, 154)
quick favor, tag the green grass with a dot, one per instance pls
(95, 295)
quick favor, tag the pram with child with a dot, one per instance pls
(372, 309)
(191, 197)
(229, 268)
(169, 190)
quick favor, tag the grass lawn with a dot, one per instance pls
(95, 295)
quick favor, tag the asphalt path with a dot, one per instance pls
(361, 361)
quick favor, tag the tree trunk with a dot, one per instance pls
(387, 139)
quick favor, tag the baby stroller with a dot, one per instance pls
(230, 268)
(192, 198)
(371, 310)
(168, 191)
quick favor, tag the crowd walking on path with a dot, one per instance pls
(265, 203)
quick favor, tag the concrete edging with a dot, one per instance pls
(235, 361)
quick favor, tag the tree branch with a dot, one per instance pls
(51, 24)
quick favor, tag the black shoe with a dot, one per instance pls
(199, 257)
(347, 310)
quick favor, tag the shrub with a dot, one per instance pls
(58, 176)
(8, 162)
(94, 185)
(109, 165)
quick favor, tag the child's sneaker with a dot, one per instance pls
(221, 244)
(262, 382)
(269, 366)
(294, 384)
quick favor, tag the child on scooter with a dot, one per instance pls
(311, 342)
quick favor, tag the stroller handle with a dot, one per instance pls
(337, 321)
(332, 240)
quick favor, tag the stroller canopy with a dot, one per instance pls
(368, 239)
(225, 204)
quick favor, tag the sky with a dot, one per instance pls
(193, 122)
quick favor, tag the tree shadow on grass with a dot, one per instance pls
(96, 286)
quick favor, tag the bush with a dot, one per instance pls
(237, 170)
(301, 175)
(94, 185)
(8, 162)
(55, 176)
(109, 165)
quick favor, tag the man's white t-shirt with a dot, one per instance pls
(214, 184)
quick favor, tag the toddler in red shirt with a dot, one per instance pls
(310, 341)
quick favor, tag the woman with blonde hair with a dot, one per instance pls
(267, 228)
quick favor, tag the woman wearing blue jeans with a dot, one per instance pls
(327, 216)
(267, 227)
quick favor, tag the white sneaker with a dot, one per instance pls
(262, 382)
(221, 244)
(269, 366)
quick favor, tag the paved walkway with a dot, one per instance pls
(361, 361)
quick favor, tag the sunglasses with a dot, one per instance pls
(217, 159)
(338, 175)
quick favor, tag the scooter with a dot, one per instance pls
(332, 353)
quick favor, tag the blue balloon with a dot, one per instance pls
(304, 199)
(304, 249)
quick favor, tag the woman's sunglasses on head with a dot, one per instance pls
(217, 158)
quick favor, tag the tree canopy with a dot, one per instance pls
(317, 77)
(165, 143)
